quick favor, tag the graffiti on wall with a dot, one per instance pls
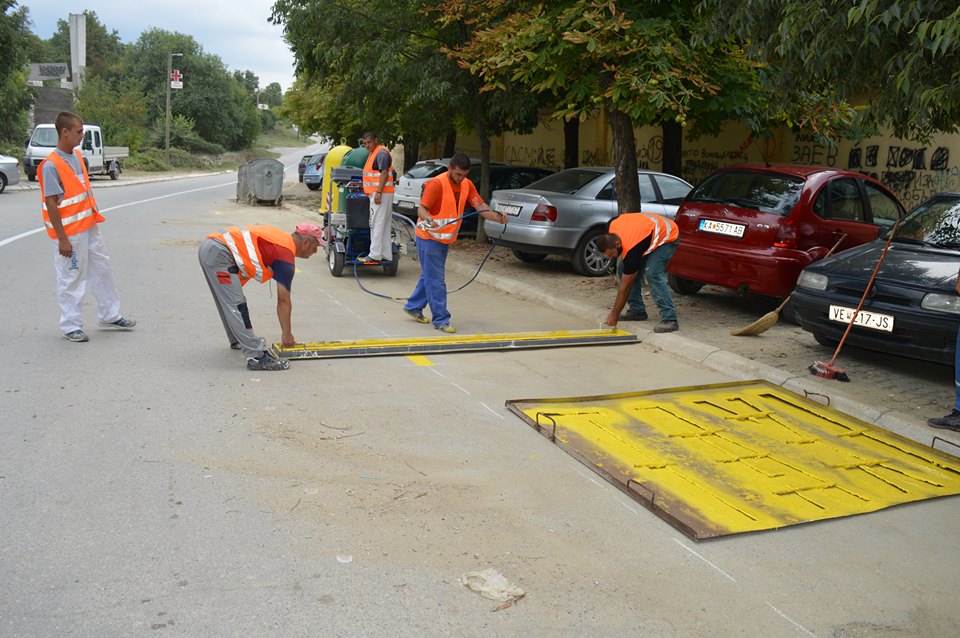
(543, 156)
(807, 150)
(913, 173)
(700, 162)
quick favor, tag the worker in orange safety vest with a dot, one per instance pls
(378, 187)
(71, 217)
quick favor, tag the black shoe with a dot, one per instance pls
(667, 326)
(267, 363)
(235, 346)
(634, 315)
(949, 422)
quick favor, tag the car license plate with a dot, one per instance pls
(508, 209)
(865, 318)
(722, 228)
(408, 205)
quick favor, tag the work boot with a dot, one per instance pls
(634, 315)
(417, 315)
(667, 326)
(267, 363)
(949, 422)
(446, 328)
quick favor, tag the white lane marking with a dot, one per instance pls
(691, 550)
(792, 621)
(491, 410)
(10, 240)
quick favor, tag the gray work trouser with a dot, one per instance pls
(224, 280)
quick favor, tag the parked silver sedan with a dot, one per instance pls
(564, 213)
(9, 171)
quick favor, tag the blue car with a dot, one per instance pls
(313, 172)
(912, 309)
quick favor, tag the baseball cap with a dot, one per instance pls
(311, 229)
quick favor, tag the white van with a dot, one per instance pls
(100, 159)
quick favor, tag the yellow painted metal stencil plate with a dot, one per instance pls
(741, 457)
(452, 343)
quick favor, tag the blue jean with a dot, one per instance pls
(431, 287)
(655, 271)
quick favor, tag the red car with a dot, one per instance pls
(754, 227)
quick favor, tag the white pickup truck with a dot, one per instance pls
(100, 159)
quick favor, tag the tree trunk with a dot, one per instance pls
(450, 143)
(411, 151)
(484, 174)
(672, 148)
(625, 162)
(571, 143)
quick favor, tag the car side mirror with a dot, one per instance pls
(26, 143)
(87, 145)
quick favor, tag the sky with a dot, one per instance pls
(237, 31)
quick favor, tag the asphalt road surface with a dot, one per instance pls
(150, 483)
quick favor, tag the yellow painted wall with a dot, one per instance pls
(913, 171)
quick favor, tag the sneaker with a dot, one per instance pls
(235, 346)
(634, 315)
(446, 328)
(667, 326)
(417, 315)
(77, 336)
(125, 324)
(368, 260)
(267, 363)
(949, 422)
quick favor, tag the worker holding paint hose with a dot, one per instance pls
(71, 216)
(644, 242)
(231, 258)
(441, 209)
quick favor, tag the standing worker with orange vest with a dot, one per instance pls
(441, 207)
(645, 243)
(232, 258)
(70, 216)
(378, 186)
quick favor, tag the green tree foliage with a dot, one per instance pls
(104, 47)
(642, 62)
(15, 97)
(272, 94)
(897, 60)
(222, 111)
(121, 111)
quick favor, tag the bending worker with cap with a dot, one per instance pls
(232, 258)
(441, 208)
(645, 243)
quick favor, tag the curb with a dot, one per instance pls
(25, 185)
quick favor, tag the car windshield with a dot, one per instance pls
(935, 222)
(44, 137)
(423, 170)
(770, 193)
(316, 159)
(568, 181)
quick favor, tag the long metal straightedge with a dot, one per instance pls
(452, 343)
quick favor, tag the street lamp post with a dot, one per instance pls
(166, 142)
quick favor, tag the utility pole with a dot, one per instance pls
(166, 143)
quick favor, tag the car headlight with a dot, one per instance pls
(941, 302)
(812, 280)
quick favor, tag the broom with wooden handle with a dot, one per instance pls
(767, 321)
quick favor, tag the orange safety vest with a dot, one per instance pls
(450, 209)
(245, 249)
(77, 207)
(371, 177)
(633, 228)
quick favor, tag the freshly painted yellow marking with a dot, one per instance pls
(730, 458)
(420, 360)
(451, 339)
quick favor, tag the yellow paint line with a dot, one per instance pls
(420, 360)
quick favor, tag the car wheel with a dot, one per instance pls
(391, 267)
(114, 172)
(529, 258)
(587, 258)
(684, 286)
(789, 314)
(313, 187)
(3, 182)
(825, 341)
(31, 177)
(335, 261)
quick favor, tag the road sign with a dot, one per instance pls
(176, 85)
(175, 79)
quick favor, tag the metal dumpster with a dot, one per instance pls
(260, 181)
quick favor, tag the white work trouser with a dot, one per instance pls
(89, 264)
(381, 248)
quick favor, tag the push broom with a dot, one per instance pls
(829, 370)
(770, 319)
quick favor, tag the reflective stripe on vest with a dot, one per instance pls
(447, 226)
(371, 176)
(633, 228)
(77, 208)
(243, 245)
